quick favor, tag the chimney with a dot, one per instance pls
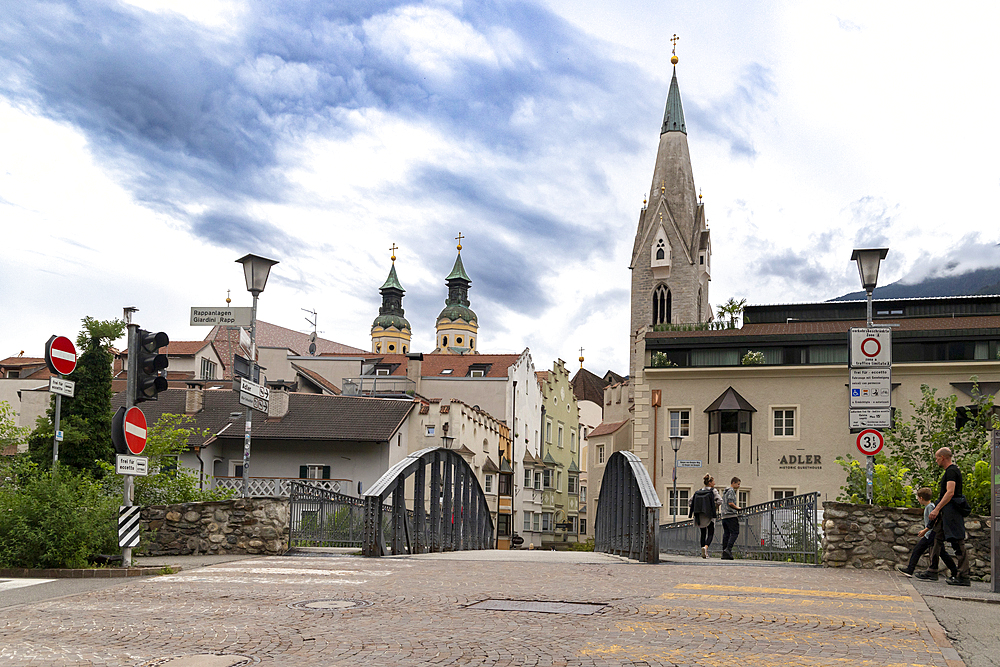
(194, 399)
(277, 406)
(414, 361)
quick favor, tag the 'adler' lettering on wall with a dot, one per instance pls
(801, 462)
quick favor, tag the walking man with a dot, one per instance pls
(925, 496)
(948, 524)
(730, 518)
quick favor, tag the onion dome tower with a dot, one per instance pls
(390, 330)
(457, 325)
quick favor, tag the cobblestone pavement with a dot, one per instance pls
(417, 614)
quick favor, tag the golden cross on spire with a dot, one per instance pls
(393, 250)
(581, 357)
(459, 239)
(673, 54)
(228, 300)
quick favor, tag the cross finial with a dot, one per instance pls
(459, 239)
(673, 53)
(581, 357)
(393, 250)
(228, 300)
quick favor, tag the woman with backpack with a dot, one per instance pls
(704, 507)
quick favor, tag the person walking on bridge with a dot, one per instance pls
(948, 518)
(730, 518)
(703, 507)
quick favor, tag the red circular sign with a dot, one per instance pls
(870, 442)
(135, 430)
(60, 355)
(864, 347)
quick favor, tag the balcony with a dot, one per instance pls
(385, 386)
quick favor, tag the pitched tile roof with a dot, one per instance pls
(604, 428)
(317, 379)
(588, 387)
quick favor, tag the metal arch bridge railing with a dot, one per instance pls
(628, 510)
(449, 510)
(320, 517)
(786, 529)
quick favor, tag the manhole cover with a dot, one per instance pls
(544, 607)
(202, 660)
(330, 604)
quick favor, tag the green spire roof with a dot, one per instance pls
(392, 280)
(673, 115)
(458, 271)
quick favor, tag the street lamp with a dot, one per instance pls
(256, 270)
(675, 444)
(868, 260)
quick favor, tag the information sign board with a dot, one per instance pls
(864, 418)
(688, 464)
(870, 387)
(253, 402)
(871, 347)
(132, 465)
(254, 389)
(210, 316)
(61, 386)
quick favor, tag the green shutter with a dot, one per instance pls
(326, 472)
(303, 472)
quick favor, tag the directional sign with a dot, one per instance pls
(254, 389)
(870, 387)
(870, 418)
(132, 465)
(871, 347)
(60, 355)
(870, 442)
(61, 386)
(135, 430)
(210, 316)
(253, 402)
(688, 464)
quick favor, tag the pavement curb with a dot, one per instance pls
(937, 633)
(86, 573)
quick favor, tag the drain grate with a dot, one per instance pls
(584, 608)
(330, 605)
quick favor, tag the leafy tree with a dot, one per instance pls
(88, 413)
(731, 309)
(890, 487)
(11, 435)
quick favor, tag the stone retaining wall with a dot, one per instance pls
(876, 538)
(240, 526)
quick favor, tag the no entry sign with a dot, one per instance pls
(135, 430)
(870, 442)
(60, 355)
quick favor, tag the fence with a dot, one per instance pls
(279, 487)
(322, 518)
(628, 510)
(786, 529)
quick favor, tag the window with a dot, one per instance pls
(548, 431)
(383, 371)
(661, 305)
(538, 480)
(600, 453)
(558, 480)
(392, 348)
(535, 521)
(527, 478)
(744, 499)
(447, 371)
(572, 483)
(486, 445)
(429, 430)
(458, 340)
(503, 525)
(784, 423)
(208, 368)
(527, 521)
(559, 440)
(583, 494)
(476, 374)
(779, 494)
(583, 526)
(547, 479)
(572, 441)
(679, 503)
(547, 525)
(488, 484)
(504, 483)
(680, 423)
(444, 341)
(236, 469)
(472, 343)
(316, 471)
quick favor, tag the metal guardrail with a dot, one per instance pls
(378, 385)
(323, 518)
(786, 529)
(628, 510)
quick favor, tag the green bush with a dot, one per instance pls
(889, 482)
(583, 546)
(54, 520)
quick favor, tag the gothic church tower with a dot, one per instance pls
(671, 257)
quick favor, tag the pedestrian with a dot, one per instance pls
(730, 518)
(949, 522)
(703, 507)
(926, 536)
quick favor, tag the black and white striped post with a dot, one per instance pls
(128, 526)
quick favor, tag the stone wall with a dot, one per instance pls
(240, 526)
(876, 538)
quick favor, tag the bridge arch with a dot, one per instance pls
(448, 510)
(628, 510)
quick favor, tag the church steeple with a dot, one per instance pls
(457, 324)
(673, 115)
(390, 330)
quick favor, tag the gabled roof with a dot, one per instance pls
(548, 460)
(316, 380)
(182, 348)
(588, 387)
(27, 367)
(489, 466)
(529, 459)
(604, 428)
(505, 465)
(573, 467)
(730, 400)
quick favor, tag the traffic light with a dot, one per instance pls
(150, 377)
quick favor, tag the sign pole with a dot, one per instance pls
(131, 384)
(253, 368)
(995, 511)
(870, 468)
(55, 436)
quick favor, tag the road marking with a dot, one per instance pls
(9, 584)
(793, 591)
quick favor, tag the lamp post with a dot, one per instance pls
(868, 260)
(675, 444)
(256, 270)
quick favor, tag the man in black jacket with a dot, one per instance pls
(948, 523)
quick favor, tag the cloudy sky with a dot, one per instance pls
(146, 145)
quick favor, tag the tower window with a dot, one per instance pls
(472, 343)
(404, 349)
(661, 305)
(391, 347)
(378, 347)
(458, 340)
(444, 341)
(659, 253)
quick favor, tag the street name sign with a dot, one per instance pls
(871, 347)
(869, 442)
(877, 418)
(61, 386)
(60, 355)
(254, 389)
(253, 402)
(210, 316)
(688, 464)
(131, 465)
(870, 387)
(135, 430)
